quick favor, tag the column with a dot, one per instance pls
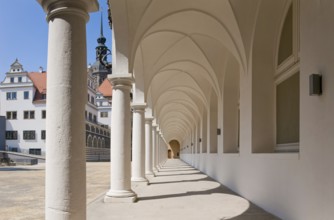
(65, 179)
(148, 147)
(120, 146)
(138, 144)
(158, 148)
(154, 147)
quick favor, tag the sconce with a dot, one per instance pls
(315, 84)
(218, 131)
(200, 140)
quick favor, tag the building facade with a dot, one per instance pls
(23, 97)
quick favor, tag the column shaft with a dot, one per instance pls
(154, 148)
(120, 147)
(138, 144)
(65, 197)
(148, 147)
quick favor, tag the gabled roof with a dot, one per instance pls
(39, 81)
(105, 88)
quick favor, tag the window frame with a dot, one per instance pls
(29, 135)
(11, 135)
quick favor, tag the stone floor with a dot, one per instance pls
(22, 189)
(178, 192)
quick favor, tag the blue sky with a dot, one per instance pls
(24, 34)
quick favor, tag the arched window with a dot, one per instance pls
(89, 141)
(95, 142)
(103, 144)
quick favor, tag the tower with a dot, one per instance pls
(99, 69)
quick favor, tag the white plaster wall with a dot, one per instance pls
(293, 186)
(20, 105)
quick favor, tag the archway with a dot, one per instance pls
(173, 149)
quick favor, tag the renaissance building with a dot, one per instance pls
(23, 97)
(244, 87)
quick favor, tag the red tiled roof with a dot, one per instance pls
(105, 88)
(39, 81)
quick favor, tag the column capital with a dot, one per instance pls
(81, 7)
(155, 126)
(138, 106)
(149, 119)
(121, 81)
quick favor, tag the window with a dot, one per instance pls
(92, 99)
(85, 114)
(88, 96)
(43, 134)
(43, 114)
(94, 118)
(287, 114)
(104, 114)
(90, 116)
(26, 94)
(43, 96)
(20, 79)
(11, 95)
(11, 115)
(11, 135)
(12, 79)
(29, 135)
(29, 114)
(35, 151)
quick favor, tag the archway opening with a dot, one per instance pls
(173, 149)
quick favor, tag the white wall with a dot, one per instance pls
(20, 105)
(293, 186)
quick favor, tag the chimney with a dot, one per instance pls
(40, 69)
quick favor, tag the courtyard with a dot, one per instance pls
(178, 191)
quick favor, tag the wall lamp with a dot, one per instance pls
(315, 84)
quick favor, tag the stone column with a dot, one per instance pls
(148, 147)
(120, 146)
(157, 155)
(65, 179)
(154, 147)
(138, 144)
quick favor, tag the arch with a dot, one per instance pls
(99, 143)
(103, 143)
(89, 142)
(231, 97)
(264, 62)
(213, 124)
(95, 144)
(174, 148)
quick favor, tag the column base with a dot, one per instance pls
(149, 175)
(139, 181)
(122, 196)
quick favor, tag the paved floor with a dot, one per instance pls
(178, 192)
(22, 189)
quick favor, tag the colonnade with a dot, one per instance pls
(65, 158)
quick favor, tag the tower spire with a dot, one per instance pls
(101, 28)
